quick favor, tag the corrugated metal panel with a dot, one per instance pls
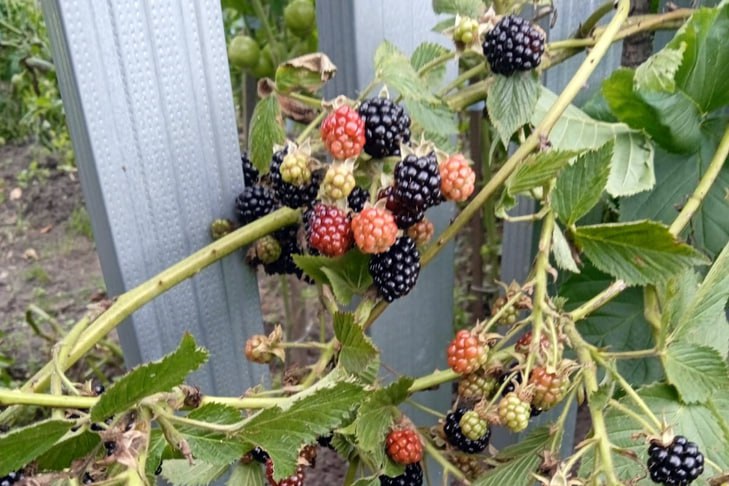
(148, 96)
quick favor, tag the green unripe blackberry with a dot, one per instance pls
(473, 426)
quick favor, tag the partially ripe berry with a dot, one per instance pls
(328, 230)
(268, 249)
(404, 446)
(421, 232)
(455, 436)
(338, 181)
(466, 352)
(295, 169)
(549, 388)
(457, 178)
(473, 426)
(374, 230)
(514, 412)
(220, 228)
(297, 479)
(477, 385)
(343, 133)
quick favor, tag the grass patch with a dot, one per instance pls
(36, 273)
(79, 223)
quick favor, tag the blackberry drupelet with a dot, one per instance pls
(253, 203)
(514, 44)
(678, 464)
(395, 271)
(289, 194)
(387, 125)
(413, 476)
(454, 434)
(417, 182)
(357, 199)
(250, 173)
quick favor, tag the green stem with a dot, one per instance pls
(302, 345)
(320, 365)
(306, 100)
(351, 475)
(438, 456)
(559, 425)
(462, 78)
(425, 409)
(630, 413)
(243, 403)
(497, 317)
(434, 379)
(310, 127)
(598, 301)
(540, 289)
(638, 354)
(286, 296)
(442, 59)
(17, 397)
(707, 180)
(133, 299)
(263, 18)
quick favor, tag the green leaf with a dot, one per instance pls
(619, 325)
(697, 372)
(562, 251)
(510, 103)
(537, 170)
(425, 53)
(394, 69)
(283, 430)
(358, 355)
(704, 73)
(151, 378)
(639, 253)
(671, 119)
(521, 461)
(704, 320)
(61, 455)
(696, 422)
(632, 163)
(579, 187)
(347, 275)
(308, 72)
(432, 118)
(266, 130)
(23, 445)
(211, 447)
(246, 475)
(180, 473)
(376, 414)
(466, 8)
(658, 71)
(156, 452)
(371, 481)
(677, 176)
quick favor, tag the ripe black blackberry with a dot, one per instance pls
(404, 217)
(250, 173)
(285, 264)
(395, 271)
(12, 478)
(357, 199)
(254, 202)
(678, 464)
(454, 434)
(417, 182)
(260, 455)
(413, 476)
(289, 194)
(387, 125)
(514, 44)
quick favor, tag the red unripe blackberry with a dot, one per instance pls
(466, 352)
(417, 182)
(289, 194)
(549, 388)
(514, 44)
(297, 479)
(387, 125)
(395, 272)
(457, 178)
(404, 446)
(357, 199)
(343, 133)
(413, 476)
(454, 434)
(374, 230)
(254, 203)
(678, 464)
(328, 230)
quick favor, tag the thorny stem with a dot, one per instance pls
(559, 425)
(638, 354)
(17, 397)
(650, 428)
(442, 59)
(598, 301)
(496, 317)
(540, 289)
(438, 456)
(310, 127)
(423, 408)
(351, 472)
(133, 299)
(462, 78)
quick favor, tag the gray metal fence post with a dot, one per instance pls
(147, 94)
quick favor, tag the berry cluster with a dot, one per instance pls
(388, 224)
(12, 478)
(413, 476)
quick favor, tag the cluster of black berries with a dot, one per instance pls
(455, 436)
(12, 478)
(514, 44)
(678, 464)
(413, 476)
